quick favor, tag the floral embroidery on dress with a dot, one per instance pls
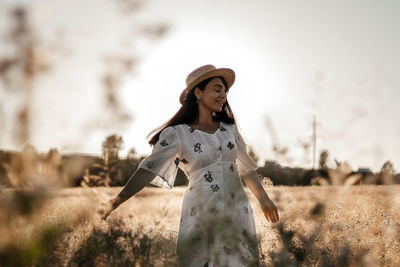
(246, 210)
(176, 161)
(184, 161)
(196, 238)
(220, 148)
(232, 195)
(228, 221)
(222, 128)
(208, 177)
(213, 210)
(197, 148)
(164, 143)
(150, 164)
(227, 250)
(193, 211)
(214, 187)
(230, 145)
(232, 168)
(191, 129)
(245, 234)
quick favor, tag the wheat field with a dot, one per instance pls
(319, 226)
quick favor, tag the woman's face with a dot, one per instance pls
(213, 96)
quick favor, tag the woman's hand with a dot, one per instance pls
(253, 182)
(106, 208)
(270, 211)
(139, 179)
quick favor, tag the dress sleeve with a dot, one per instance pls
(245, 163)
(163, 160)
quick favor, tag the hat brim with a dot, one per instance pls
(227, 74)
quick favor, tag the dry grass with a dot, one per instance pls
(333, 226)
(320, 226)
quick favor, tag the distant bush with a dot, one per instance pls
(285, 175)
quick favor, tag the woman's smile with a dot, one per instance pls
(220, 102)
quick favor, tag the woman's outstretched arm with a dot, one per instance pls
(137, 182)
(268, 207)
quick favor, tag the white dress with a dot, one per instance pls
(217, 225)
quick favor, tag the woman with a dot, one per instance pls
(217, 225)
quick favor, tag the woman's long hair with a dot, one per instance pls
(189, 112)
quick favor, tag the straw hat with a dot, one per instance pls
(203, 73)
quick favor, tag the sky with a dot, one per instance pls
(337, 60)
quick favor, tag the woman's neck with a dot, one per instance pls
(205, 117)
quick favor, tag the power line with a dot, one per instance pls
(314, 139)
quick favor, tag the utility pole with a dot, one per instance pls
(314, 139)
